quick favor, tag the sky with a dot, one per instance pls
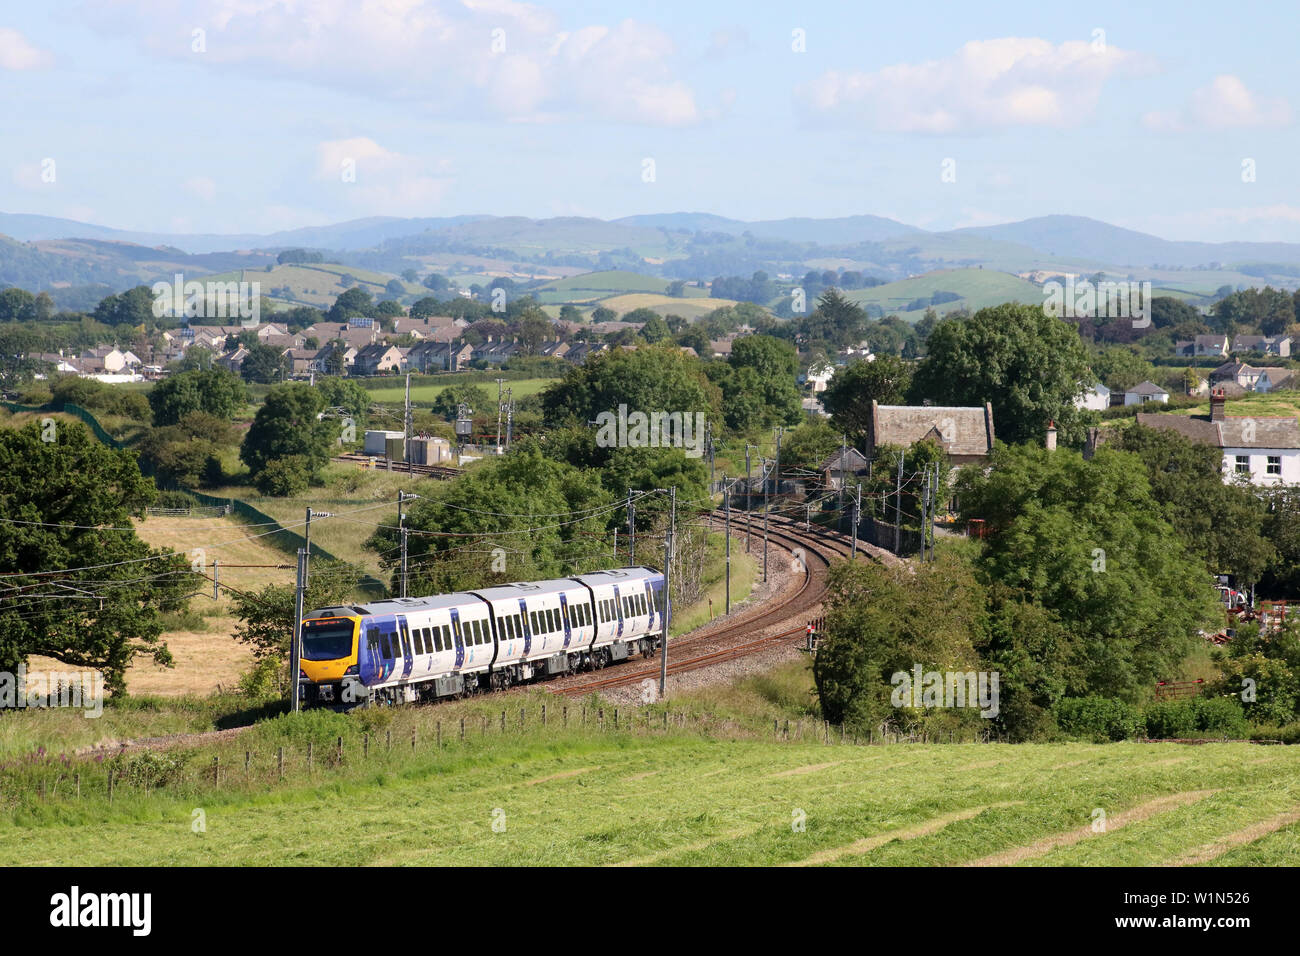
(237, 116)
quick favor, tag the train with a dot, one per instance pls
(405, 650)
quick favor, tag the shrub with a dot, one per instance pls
(1171, 719)
(1220, 717)
(1098, 718)
(284, 477)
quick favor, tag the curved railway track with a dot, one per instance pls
(756, 629)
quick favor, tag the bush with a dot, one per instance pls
(1171, 719)
(1098, 719)
(175, 499)
(284, 477)
(1286, 733)
(1220, 717)
(264, 679)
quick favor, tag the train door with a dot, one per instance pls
(370, 654)
(460, 644)
(527, 625)
(408, 649)
(618, 610)
(564, 619)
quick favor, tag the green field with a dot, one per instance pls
(699, 794)
(978, 289)
(314, 284)
(425, 393)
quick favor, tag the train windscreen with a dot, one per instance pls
(326, 640)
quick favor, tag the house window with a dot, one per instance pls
(1243, 464)
(1275, 464)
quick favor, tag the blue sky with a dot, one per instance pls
(1143, 118)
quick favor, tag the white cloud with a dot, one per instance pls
(379, 180)
(1011, 81)
(17, 54)
(512, 60)
(1225, 103)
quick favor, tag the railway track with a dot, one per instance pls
(442, 472)
(774, 624)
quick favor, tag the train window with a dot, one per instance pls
(437, 638)
(417, 640)
(532, 616)
(483, 637)
(640, 599)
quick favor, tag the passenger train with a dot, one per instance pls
(409, 649)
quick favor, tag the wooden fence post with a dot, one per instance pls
(280, 761)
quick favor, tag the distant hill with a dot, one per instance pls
(1084, 238)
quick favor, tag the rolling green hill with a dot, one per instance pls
(977, 289)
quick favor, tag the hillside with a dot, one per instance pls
(976, 288)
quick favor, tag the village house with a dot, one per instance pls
(1202, 345)
(431, 356)
(1096, 398)
(1144, 392)
(1279, 345)
(843, 464)
(376, 359)
(965, 433)
(1264, 451)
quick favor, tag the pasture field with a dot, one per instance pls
(707, 793)
(690, 308)
(978, 289)
(426, 393)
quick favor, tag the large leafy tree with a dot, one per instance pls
(1269, 310)
(775, 364)
(650, 379)
(522, 517)
(881, 621)
(1222, 524)
(287, 425)
(78, 585)
(1030, 365)
(851, 390)
(264, 364)
(214, 391)
(351, 302)
(1088, 542)
(133, 307)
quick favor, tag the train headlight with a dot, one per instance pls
(352, 671)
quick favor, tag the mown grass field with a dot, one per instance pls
(551, 796)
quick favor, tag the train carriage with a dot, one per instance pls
(445, 645)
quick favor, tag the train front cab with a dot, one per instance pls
(328, 660)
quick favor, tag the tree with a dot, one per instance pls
(266, 615)
(351, 302)
(851, 390)
(217, 392)
(447, 402)
(284, 477)
(534, 327)
(1088, 542)
(17, 305)
(348, 395)
(1167, 312)
(1222, 524)
(655, 330)
(481, 529)
(134, 307)
(18, 366)
(70, 501)
(881, 621)
(264, 364)
(286, 425)
(424, 308)
(651, 379)
(1269, 310)
(1028, 364)
(1119, 368)
(774, 365)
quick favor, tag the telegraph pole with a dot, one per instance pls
(402, 499)
(295, 665)
(408, 419)
(726, 498)
(631, 529)
(925, 501)
(668, 564)
(844, 442)
(306, 571)
(749, 499)
(500, 381)
(898, 506)
(510, 415)
(766, 500)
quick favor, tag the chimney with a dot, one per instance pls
(1217, 405)
(1051, 436)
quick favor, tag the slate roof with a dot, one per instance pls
(969, 428)
(1230, 432)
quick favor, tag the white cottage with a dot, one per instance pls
(1263, 451)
